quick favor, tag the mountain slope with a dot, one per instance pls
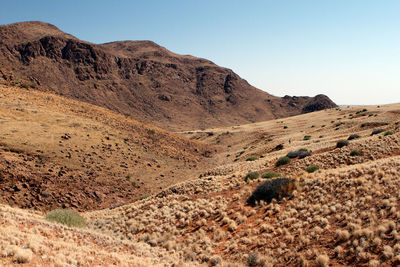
(58, 152)
(140, 79)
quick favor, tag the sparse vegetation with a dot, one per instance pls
(282, 161)
(66, 216)
(350, 203)
(307, 137)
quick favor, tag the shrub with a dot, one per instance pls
(282, 161)
(307, 137)
(143, 197)
(270, 174)
(377, 131)
(353, 136)
(304, 154)
(293, 154)
(252, 176)
(275, 188)
(279, 147)
(285, 127)
(252, 260)
(388, 133)
(67, 217)
(311, 169)
(356, 152)
(342, 143)
(252, 158)
(301, 153)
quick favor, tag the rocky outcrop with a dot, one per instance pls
(141, 79)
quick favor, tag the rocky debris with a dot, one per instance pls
(66, 136)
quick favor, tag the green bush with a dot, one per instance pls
(143, 197)
(67, 217)
(356, 152)
(342, 143)
(252, 176)
(307, 137)
(252, 158)
(312, 168)
(282, 161)
(270, 174)
(388, 133)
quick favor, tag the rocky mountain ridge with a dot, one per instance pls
(139, 79)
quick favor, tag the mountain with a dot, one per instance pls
(140, 79)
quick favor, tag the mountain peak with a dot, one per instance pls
(140, 79)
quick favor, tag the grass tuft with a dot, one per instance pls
(67, 217)
(270, 174)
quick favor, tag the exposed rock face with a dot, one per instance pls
(141, 79)
(319, 102)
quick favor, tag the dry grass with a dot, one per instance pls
(346, 213)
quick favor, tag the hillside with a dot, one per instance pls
(345, 213)
(57, 152)
(140, 79)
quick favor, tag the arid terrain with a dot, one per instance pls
(140, 79)
(155, 198)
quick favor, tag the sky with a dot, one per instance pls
(346, 49)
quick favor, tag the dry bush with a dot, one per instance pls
(273, 189)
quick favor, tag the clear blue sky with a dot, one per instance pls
(347, 49)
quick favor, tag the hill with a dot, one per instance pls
(140, 79)
(58, 152)
(344, 213)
